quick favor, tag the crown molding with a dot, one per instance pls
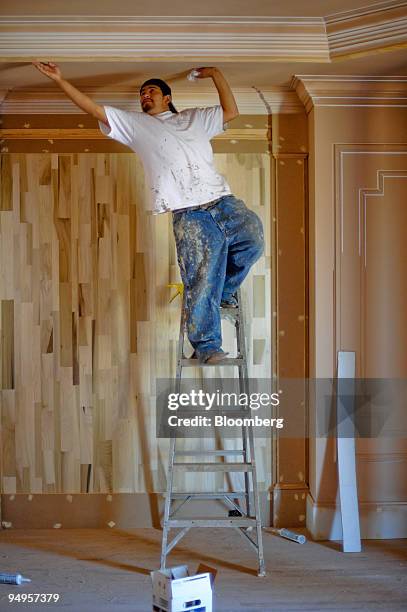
(352, 90)
(53, 101)
(379, 27)
(154, 20)
(94, 134)
(304, 91)
(163, 38)
(368, 9)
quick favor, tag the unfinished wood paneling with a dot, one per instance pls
(6, 183)
(7, 344)
(86, 322)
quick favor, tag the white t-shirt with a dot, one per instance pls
(176, 153)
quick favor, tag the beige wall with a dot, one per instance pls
(358, 256)
(290, 170)
(341, 142)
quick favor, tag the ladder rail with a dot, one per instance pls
(167, 507)
(243, 378)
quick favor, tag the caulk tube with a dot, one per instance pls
(13, 579)
(193, 75)
(290, 535)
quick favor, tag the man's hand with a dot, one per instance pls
(226, 97)
(50, 70)
(206, 72)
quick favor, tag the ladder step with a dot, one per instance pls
(228, 361)
(230, 309)
(220, 495)
(215, 467)
(211, 453)
(215, 522)
(229, 313)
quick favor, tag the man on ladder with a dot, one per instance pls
(218, 238)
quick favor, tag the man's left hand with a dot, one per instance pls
(206, 72)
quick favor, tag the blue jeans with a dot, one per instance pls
(216, 249)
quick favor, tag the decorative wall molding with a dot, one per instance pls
(164, 38)
(373, 8)
(350, 90)
(346, 156)
(95, 134)
(304, 90)
(380, 27)
(368, 149)
(54, 101)
(378, 520)
(369, 192)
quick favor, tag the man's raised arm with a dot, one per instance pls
(226, 97)
(53, 72)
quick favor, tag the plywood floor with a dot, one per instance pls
(98, 570)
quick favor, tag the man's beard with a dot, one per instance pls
(145, 107)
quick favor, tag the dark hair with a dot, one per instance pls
(165, 88)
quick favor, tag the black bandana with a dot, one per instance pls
(165, 88)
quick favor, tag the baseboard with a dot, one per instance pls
(378, 521)
(101, 510)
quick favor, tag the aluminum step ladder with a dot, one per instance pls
(246, 516)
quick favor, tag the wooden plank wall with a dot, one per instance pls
(86, 324)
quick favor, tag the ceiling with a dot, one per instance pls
(18, 74)
(282, 8)
(116, 75)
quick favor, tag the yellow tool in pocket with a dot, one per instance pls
(179, 290)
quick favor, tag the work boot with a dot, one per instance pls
(215, 358)
(212, 358)
(230, 303)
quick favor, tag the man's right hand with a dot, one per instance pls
(53, 72)
(50, 70)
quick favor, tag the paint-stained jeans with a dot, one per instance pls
(216, 249)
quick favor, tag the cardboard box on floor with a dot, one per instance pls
(174, 590)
